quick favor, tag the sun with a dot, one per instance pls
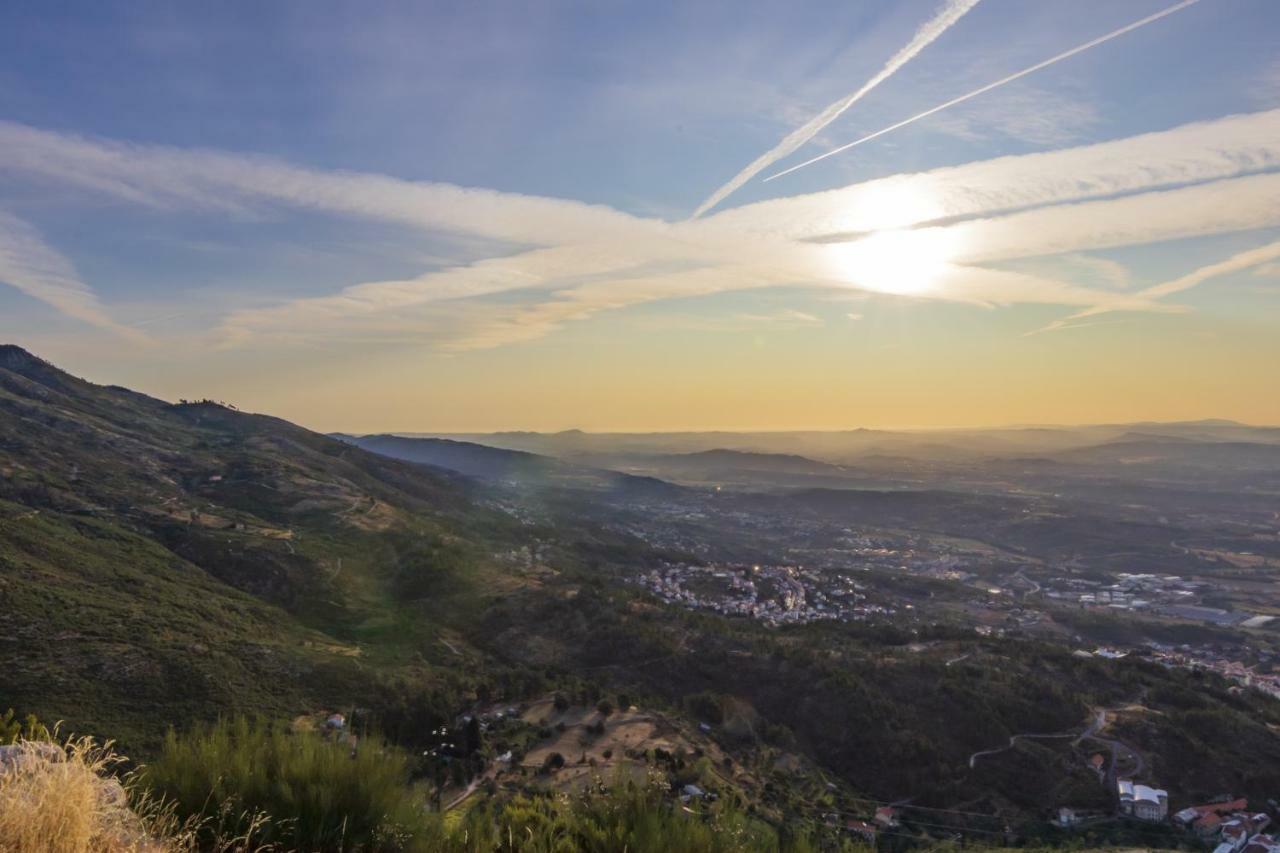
(904, 262)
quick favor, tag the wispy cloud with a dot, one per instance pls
(1188, 154)
(784, 320)
(1235, 263)
(1255, 259)
(951, 11)
(933, 234)
(1017, 75)
(28, 264)
(167, 177)
(1027, 113)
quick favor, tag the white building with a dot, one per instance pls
(1141, 801)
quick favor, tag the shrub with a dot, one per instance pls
(630, 816)
(12, 728)
(320, 795)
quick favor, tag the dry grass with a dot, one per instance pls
(63, 798)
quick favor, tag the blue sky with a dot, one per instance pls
(598, 128)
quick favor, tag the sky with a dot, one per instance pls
(482, 216)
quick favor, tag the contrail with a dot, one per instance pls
(1237, 262)
(987, 88)
(948, 15)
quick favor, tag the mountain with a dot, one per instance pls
(168, 561)
(851, 447)
(1177, 452)
(464, 457)
(510, 467)
(740, 460)
(163, 563)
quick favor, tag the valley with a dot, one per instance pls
(956, 646)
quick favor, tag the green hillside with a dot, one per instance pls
(166, 562)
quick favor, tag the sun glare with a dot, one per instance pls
(883, 205)
(902, 262)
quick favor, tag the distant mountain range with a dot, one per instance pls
(849, 446)
(513, 467)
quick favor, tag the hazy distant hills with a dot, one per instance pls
(1145, 450)
(1050, 459)
(843, 448)
(513, 467)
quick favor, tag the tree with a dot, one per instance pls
(472, 736)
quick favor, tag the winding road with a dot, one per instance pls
(1118, 748)
(973, 759)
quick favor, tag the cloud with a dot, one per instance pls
(1028, 114)
(1257, 259)
(1017, 75)
(1188, 154)
(166, 177)
(1241, 261)
(931, 235)
(28, 264)
(1235, 204)
(784, 320)
(951, 11)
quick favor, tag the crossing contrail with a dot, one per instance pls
(948, 15)
(1237, 262)
(987, 88)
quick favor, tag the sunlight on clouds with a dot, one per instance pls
(891, 206)
(906, 263)
(563, 261)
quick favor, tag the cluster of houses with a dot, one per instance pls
(1205, 658)
(1128, 592)
(771, 594)
(1236, 829)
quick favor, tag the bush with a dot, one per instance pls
(630, 816)
(320, 795)
(605, 707)
(12, 728)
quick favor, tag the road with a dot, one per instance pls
(1118, 748)
(973, 759)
